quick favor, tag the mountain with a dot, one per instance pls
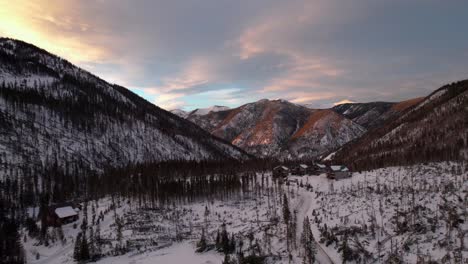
(54, 114)
(205, 111)
(434, 128)
(199, 111)
(374, 114)
(278, 128)
(180, 113)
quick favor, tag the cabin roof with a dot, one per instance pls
(67, 211)
(339, 168)
(304, 166)
(281, 167)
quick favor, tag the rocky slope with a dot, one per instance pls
(278, 128)
(54, 114)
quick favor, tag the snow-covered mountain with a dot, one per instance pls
(205, 111)
(434, 128)
(54, 114)
(180, 113)
(199, 111)
(279, 128)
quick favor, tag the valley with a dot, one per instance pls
(406, 214)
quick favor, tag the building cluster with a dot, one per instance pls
(335, 172)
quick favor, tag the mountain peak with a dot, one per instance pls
(207, 110)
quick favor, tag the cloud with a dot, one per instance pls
(344, 101)
(169, 101)
(197, 53)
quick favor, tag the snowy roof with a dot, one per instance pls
(303, 166)
(339, 168)
(321, 166)
(66, 211)
(282, 167)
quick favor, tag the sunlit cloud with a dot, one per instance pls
(50, 26)
(193, 54)
(169, 101)
(344, 101)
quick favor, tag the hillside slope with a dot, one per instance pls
(374, 114)
(434, 129)
(54, 114)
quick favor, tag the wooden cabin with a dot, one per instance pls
(318, 169)
(300, 170)
(338, 172)
(280, 171)
(59, 214)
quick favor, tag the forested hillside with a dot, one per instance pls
(435, 129)
(56, 116)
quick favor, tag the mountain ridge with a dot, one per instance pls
(268, 128)
(431, 129)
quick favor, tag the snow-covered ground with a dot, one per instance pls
(183, 252)
(411, 213)
(408, 211)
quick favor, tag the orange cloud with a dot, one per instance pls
(169, 101)
(345, 101)
(50, 25)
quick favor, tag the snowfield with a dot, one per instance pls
(405, 214)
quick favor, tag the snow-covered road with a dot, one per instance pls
(303, 208)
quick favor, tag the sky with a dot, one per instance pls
(197, 53)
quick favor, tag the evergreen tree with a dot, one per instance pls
(201, 245)
(308, 243)
(97, 240)
(77, 248)
(286, 211)
(225, 245)
(84, 248)
(218, 241)
(346, 252)
(92, 245)
(228, 260)
(11, 249)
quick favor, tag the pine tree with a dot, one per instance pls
(224, 240)
(232, 244)
(286, 219)
(77, 249)
(92, 244)
(345, 249)
(84, 248)
(201, 245)
(119, 235)
(227, 259)
(286, 211)
(97, 240)
(60, 235)
(218, 241)
(308, 242)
